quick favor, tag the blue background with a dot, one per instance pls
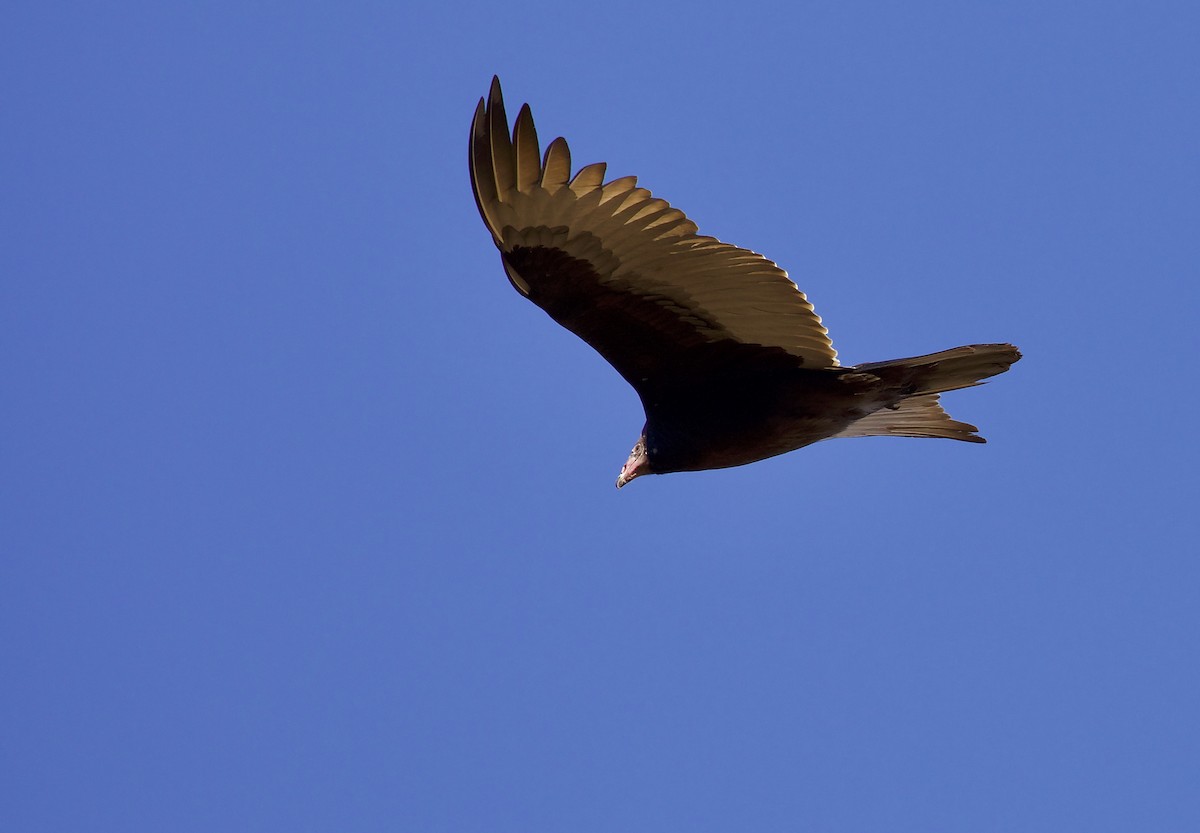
(308, 519)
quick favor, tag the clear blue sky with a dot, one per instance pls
(308, 519)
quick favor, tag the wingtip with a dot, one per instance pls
(556, 165)
(528, 155)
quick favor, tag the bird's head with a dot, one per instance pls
(637, 464)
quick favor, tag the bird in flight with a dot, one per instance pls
(727, 355)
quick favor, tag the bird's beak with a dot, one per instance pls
(636, 464)
(630, 470)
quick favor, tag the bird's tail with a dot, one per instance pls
(917, 416)
(960, 367)
(923, 378)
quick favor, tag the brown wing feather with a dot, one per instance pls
(653, 339)
(623, 270)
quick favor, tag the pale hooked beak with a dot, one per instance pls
(636, 465)
(628, 472)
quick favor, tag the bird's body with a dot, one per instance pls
(730, 361)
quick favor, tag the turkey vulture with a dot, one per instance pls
(730, 361)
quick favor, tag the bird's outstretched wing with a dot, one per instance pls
(623, 270)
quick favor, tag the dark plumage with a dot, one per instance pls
(729, 359)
